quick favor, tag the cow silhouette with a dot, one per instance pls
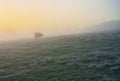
(38, 35)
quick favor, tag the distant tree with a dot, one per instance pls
(38, 35)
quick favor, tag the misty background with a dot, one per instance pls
(20, 19)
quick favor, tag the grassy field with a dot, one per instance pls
(85, 57)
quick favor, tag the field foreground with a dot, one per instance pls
(93, 57)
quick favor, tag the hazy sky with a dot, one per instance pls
(20, 18)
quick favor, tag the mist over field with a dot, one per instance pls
(59, 40)
(83, 57)
(108, 26)
(21, 18)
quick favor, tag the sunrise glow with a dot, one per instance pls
(53, 17)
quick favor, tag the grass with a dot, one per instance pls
(93, 57)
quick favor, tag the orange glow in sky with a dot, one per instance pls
(52, 17)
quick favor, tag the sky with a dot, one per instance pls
(21, 18)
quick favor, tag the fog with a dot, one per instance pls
(22, 18)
